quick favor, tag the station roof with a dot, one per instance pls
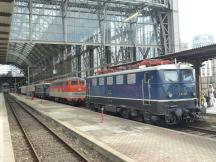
(193, 56)
(17, 49)
(6, 9)
(31, 31)
(12, 80)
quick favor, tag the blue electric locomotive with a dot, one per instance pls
(41, 90)
(163, 92)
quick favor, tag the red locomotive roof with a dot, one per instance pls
(155, 62)
(146, 62)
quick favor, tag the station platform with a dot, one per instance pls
(130, 140)
(211, 110)
(6, 149)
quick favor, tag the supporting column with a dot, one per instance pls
(64, 19)
(108, 54)
(133, 53)
(91, 60)
(197, 73)
(78, 57)
(30, 20)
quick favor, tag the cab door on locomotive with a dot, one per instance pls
(146, 89)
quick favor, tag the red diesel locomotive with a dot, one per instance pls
(70, 90)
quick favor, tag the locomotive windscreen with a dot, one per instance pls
(187, 75)
(171, 76)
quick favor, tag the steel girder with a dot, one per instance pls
(103, 53)
(166, 37)
(16, 57)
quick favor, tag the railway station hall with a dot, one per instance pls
(107, 81)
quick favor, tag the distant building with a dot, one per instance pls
(202, 40)
(208, 70)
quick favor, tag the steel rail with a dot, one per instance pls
(23, 129)
(202, 130)
(52, 132)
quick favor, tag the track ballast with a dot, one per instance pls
(44, 143)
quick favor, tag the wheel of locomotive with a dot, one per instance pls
(139, 118)
(77, 103)
(125, 113)
(91, 106)
(73, 103)
(171, 119)
(60, 100)
(96, 108)
(118, 111)
(136, 115)
(146, 117)
(64, 101)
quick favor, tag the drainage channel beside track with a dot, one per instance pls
(40, 143)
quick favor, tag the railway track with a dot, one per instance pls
(44, 143)
(203, 131)
(200, 131)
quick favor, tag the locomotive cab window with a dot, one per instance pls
(171, 76)
(74, 82)
(187, 75)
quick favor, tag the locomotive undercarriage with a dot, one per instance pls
(178, 115)
(170, 113)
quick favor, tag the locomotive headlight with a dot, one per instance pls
(170, 95)
(194, 94)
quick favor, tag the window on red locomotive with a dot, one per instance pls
(74, 82)
(82, 82)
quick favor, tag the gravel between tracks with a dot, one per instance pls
(47, 146)
(22, 149)
(85, 150)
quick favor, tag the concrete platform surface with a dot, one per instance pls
(211, 110)
(6, 149)
(137, 141)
